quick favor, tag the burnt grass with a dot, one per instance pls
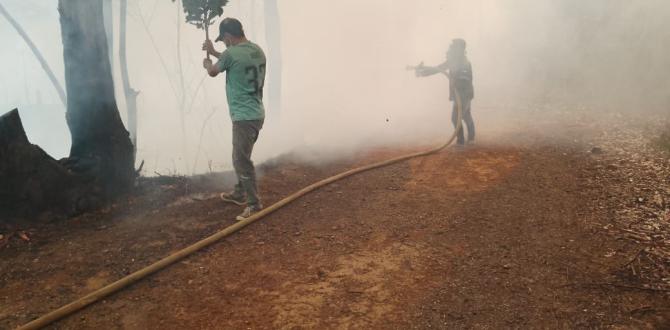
(565, 225)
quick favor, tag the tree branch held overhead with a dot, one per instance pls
(202, 13)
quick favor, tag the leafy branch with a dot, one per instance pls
(202, 13)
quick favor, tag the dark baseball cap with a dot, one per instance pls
(232, 26)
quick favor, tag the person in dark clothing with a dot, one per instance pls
(459, 71)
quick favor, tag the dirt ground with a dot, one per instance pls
(558, 221)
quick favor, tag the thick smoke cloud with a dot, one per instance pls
(345, 86)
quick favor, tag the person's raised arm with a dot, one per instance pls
(209, 48)
(212, 70)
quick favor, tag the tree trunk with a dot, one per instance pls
(101, 147)
(129, 92)
(182, 92)
(252, 18)
(273, 35)
(108, 14)
(36, 52)
(31, 181)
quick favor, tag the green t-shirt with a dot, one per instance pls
(244, 64)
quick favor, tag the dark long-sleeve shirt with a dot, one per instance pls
(460, 77)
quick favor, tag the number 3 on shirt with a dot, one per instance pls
(253, 73)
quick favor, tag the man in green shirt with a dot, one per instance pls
(244, 64)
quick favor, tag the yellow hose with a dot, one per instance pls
(146, 271)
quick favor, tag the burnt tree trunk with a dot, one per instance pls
(31, 181)
(108, 19)
(101, 147)
(129, 92)
(101, 159)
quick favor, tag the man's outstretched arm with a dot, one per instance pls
(425, 71)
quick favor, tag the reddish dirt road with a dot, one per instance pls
(513, 233)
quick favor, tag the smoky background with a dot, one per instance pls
(344, 84)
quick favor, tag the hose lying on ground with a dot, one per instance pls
(146, 271)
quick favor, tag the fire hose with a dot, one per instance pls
(124, 282)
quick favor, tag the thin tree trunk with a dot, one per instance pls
(129, 92)
(36, 52)
(145, 25)
(182, 100)
(273, 35)
(206, 28)
(202, 134)
(101, 147)
(108, 14)
(252, 18)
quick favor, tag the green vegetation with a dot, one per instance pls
(202, 13)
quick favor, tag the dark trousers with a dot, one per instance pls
(245, 134)
(467, 118)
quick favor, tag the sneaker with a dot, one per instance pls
(471, 142)
(248, 212)
(233, 198)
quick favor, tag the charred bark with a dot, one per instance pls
(101, 161)
(101, 147)
(129, 92)
(31, 181)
